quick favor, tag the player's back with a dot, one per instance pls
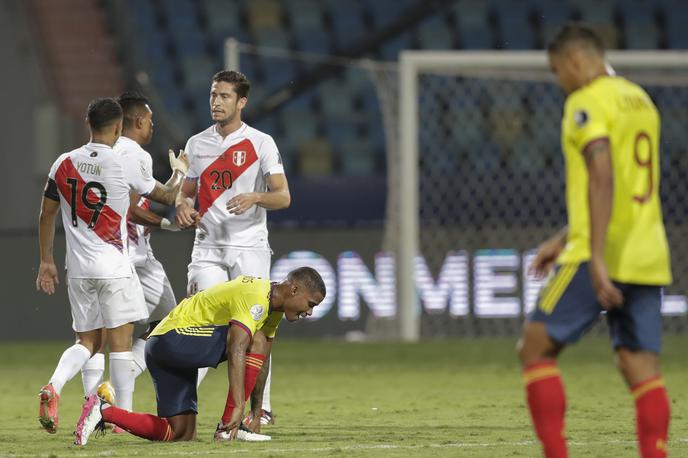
(94, 198)
(138, 236)
(244, 300)
(636, 249)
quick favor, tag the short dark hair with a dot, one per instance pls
(133, 105)
(103, 112)
(576, 33)
(238, 79)
(310, 278)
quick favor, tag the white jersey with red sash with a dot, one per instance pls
(93, 184)
(224, 168)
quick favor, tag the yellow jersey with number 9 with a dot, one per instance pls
(620, 112)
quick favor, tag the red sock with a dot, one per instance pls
(254, 362)
(652, 417)
(139, 424)
(547, 404)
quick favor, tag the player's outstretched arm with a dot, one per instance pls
(259, 388)
(167, 193)
(186, 214)
(276, 198)
(47, 271)
(600, 200)
(144, 217)
(238, 340)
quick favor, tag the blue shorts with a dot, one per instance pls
(173, 360)
(568, 307)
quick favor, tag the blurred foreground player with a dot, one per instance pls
(613, 256)
(234, 321)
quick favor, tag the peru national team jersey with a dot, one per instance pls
(138, 235)
(93, 186)
(244, 301)
(224, 168)
(616, 110)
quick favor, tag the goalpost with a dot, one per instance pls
(479, 182)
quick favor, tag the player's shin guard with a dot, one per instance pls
(138, 349)
(652, 414)
(267, 405)
(254, 362)
(139, 424)
(122, 377)
(92, 373)
(547, 404)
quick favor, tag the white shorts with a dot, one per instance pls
(105, 302)
(157, 290)
(211, 266)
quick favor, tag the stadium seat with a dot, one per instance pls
(336, 100)
(676, 19)
(273, 37)
(315, 158)
(347, 23)
(223, 18)
(197, 72)
(391, 48)
(435, 33)
(552, 16)
(475, 31)
(304, 14)
(264, 14)
(357, 158)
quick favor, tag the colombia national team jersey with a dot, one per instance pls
(621, 112)
(224, 167)
(244, 301)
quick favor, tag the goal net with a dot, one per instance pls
(478, 181)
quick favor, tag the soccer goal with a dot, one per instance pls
(478, 182)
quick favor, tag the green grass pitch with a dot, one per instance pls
(437, 398)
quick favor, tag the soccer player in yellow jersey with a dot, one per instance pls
(613, 255)
(233, 321)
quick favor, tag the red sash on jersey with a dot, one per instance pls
(223, 172)
(132, 227)
(108, 224)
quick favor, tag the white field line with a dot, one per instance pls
(224, 450)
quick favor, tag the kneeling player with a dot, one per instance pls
(234, 321)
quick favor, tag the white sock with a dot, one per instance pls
(92, 373)
(201, 375)
(266, 392)
(71, 362)
(139, 351)
(122, 370)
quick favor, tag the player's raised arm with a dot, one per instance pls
(47, 271)
(167, 193)
(600, 199)
(238, 340)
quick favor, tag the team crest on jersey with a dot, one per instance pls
(239, 158)
(144, 170)
(256, 312)
(581, 117)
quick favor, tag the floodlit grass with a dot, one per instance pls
(439, 398)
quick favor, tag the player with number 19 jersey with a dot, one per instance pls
(224, 168)
(93, 185)
(616, 110)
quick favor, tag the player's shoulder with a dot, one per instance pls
(257, 137)
(128, 148)
(202, 135)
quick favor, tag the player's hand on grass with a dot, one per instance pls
(180, 163)
(242, 202)
(252, 422)
(608, 295)
(186, 216)
(47, 277)
(547, 254)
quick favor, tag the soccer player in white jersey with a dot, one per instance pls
(236, 174)
(137, 131)
(90, 187)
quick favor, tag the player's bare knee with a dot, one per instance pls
(536, 345)
(636, 366)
